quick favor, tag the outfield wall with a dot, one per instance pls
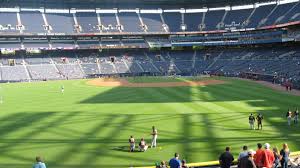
(216, 163)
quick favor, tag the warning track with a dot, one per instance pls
(111, 82)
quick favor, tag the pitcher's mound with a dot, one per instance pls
(113, 82)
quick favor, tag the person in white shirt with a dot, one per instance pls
(142, 145)
(154, 137)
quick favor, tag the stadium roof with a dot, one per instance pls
(124, 3)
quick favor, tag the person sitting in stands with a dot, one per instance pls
(142, 145)
(183, 164)
(39, 163)
(162, 165)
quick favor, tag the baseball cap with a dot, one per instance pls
(251, 152)
(267, 145)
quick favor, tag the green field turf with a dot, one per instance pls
(89, 126)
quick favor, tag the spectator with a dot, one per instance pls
(175, 162)
(258, 156)
(142, 145)
(162, 165)
(284, 153)
(268, 157)
(247, 161)
(277, 157)
(226, 158)
(39, 163)
(131, 144)
(243, 153)
(183, 164)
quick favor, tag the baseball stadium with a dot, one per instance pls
(130, 83)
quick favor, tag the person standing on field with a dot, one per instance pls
(251, 121)
(259, 119)
(296, 116)
(154, 137)
(131, 144)
(289, 117)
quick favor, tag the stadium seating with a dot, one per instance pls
(153, 22)
(193, 21)
(33, 22)
(88, 22)
(259, 14)
(61, 22)
(109, 22)
(173, 20)
(8, 22)
(212, 19)
(130, 22)
(282, 61)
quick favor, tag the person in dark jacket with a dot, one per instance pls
(247, 161)
(226, 158)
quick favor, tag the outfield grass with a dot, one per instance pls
(89, 126)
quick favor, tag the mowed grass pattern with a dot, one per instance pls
(89, 126)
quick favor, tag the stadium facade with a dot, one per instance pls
(45, 40)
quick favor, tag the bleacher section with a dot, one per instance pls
(280, 61)
(130, 22)
(212, 19)
(88, 22)
(133, 21)
(153, 22)
(173, 21)
(8, 22)
(33, 22)
(109, 22)
(60, 22)
(193, 21)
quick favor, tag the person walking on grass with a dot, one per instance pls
(285, 154)
(226, 158)
(251, 121)
(154, 137)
